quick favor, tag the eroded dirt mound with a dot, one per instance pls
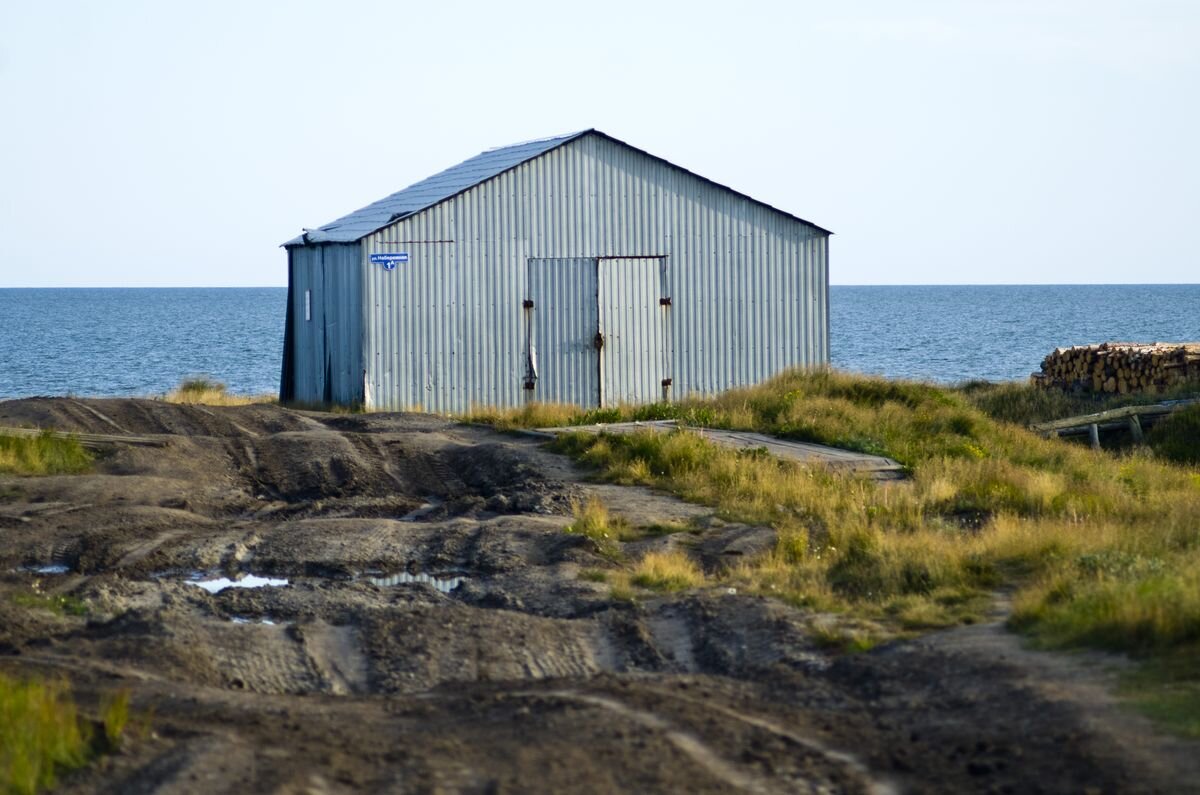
(421, 623)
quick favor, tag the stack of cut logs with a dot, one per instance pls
(1120, 367)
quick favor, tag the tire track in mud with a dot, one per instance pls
(688, 743)
(875, 785)
(729, 773)
(104, 418)
(335, 652)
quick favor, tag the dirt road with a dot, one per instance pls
(422, 626)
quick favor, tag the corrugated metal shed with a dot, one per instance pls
(575, 269)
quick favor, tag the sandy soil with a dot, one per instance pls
(434, 634)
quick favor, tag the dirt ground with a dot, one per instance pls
(435, 635)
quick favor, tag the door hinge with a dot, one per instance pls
(527, 303)
(664, 301)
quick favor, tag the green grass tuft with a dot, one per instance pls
(40, 735)
(667, 571)
(44, 454)
(57, 604)
(592, 520)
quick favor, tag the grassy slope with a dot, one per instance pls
(1101, 550)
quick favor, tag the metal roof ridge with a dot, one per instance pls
(361, 221)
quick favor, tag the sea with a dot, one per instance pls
(118, 342)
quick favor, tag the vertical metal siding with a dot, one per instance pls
(562, 328)
(633, 325)
(327, 352)
(445, 332)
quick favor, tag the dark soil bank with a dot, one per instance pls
(434, 634)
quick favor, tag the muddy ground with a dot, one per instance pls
(435, 634)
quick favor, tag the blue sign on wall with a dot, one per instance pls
(389, 261)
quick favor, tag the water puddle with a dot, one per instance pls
(49, 568)
(215, 586)
(245, 620)
(417, 514)
(443, 584)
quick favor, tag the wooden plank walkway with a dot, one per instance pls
(876, 466)
(90, 440)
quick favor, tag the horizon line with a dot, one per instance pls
(832, 284)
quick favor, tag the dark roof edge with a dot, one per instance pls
(712, 182)
(568, 138)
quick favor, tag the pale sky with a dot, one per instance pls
(956, 142)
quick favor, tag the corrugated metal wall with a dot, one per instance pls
(633, 323)
(446, 330)
(561, 325)
(327, 339)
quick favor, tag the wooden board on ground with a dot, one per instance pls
(90, 440)
(876, 466)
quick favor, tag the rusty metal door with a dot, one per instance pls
(633, 328)
(562, 360)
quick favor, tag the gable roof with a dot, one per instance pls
(456, 179)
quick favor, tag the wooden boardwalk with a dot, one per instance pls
(876, 466)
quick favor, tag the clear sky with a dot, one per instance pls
(1024, 141)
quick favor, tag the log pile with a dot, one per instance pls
(1120, 367)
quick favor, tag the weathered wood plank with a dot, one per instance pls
(1110, 415)
(91, 440)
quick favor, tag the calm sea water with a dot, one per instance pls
(145, 341)
(138, 342)
(954, 334)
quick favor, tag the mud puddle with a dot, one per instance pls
(48, 568)
(216, 585)
(426, 508)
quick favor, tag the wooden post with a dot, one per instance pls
(1135, 428)
(1094, 433)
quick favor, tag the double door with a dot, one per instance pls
(596, 330)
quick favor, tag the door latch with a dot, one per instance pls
(598, 341)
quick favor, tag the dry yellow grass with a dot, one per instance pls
(205, 392)
(666, 571)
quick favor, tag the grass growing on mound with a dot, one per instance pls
(45, 454)
(592, 520)
(1103, 549)
(207, 392)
